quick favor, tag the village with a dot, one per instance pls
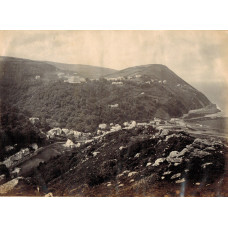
(68, 139)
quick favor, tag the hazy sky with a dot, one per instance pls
(193, 55)
(199, 57)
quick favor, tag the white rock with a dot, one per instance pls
(132, 174)
(132, 180)
(49, 195)
(148, 164)
(180, 181)
(197, 183)
(207, 164)
(159, 161)
(167, 173)
(176, 175)
(108, 185)
(8, 186)
(95, 153)
(121, 185)
(137, 155)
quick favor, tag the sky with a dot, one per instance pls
(199, 57)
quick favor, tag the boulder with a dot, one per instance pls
(159, 161)
(10, 185)
(199, 153)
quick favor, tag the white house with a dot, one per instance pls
(117, 83)
(102, 126)
(114, 106)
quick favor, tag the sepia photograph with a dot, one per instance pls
(109, 113)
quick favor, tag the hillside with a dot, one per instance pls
(160, 74)
(84, 70)
(13, 70)
(142, 161)
(138, 93)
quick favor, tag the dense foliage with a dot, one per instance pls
(16, 130)
(84, 106)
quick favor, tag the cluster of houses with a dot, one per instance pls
(64, 132)
(19, 156)
(74, 79)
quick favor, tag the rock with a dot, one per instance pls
(183, 152)
(162, 177)
(199, 153)
(137, 155)
(121, 185)
(148, 164)
(49, 195)
(201, 143)
(180, 181)
(167, 172)
(95, 153)
(206, 164)
(10, 185)
(174, 157)
(159, 161)
(176, 164)
(177, 175)
(197, 183)
(132, 174)
(109, 185)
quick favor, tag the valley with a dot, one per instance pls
(78, 130)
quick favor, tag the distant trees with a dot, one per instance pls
(15, 128)
(83, 106)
